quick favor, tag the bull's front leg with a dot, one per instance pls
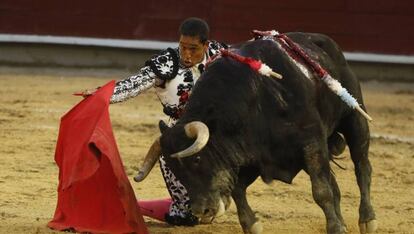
(247, 218)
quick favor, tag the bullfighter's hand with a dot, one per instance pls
(85, 93)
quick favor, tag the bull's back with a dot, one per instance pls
(297, 95)
(329, 55)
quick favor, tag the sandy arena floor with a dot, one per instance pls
(31, 107)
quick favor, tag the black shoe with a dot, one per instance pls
(188, 220)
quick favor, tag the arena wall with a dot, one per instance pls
(122, 34)
(374, 26)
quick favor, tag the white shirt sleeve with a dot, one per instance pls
(133, 85)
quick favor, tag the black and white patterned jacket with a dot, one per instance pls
(177, 80)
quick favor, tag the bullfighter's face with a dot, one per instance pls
(192, 50)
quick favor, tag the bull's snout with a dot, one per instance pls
(208, 211)
(203, 211)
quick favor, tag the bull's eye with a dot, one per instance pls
(197, 160)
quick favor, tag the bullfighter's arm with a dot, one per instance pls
(133, 85)
(159, 68)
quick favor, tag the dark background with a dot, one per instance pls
(382, 26)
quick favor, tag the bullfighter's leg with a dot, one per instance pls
(356, 132)
(180, 210)
(247, 218)
(324, 194)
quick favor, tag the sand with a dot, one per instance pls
(31, 107)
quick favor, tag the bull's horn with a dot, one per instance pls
(150, 159)
(194, 129)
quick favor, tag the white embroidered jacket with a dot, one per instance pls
(177, 80)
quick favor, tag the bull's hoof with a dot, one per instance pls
(368, 227)
(256, 228)
(337, 228)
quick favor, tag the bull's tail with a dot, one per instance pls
(337, 164)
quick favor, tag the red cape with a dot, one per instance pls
(94, 193)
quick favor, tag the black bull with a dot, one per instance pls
(260, 126)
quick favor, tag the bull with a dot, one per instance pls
(239, 125)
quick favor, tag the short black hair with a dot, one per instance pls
(195, 27)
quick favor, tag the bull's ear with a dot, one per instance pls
(162, 126)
